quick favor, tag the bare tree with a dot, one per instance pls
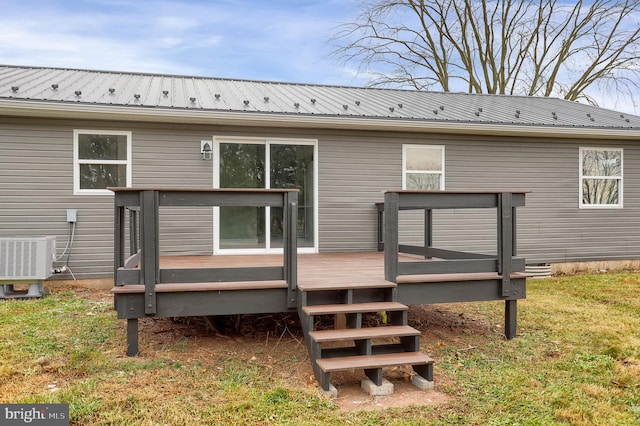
(517, 47)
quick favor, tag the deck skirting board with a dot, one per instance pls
(475, 277)
(209, 286)
(204, 303)
(426, 293)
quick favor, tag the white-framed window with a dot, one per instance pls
(423, 167)
(101, 158)
(601, 171)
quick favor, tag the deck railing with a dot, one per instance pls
(504, 263)
(143, 264)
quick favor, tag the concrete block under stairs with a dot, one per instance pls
(422, 383)
(386, 388)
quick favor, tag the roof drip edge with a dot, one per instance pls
(186, 116)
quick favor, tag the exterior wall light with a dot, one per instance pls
(206, 150)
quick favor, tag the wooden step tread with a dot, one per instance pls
(435, 278)
(373, 361)
(306, 283)
(343, 308)
(208, 286)
(363, 333)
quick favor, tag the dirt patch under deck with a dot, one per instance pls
(276, 342)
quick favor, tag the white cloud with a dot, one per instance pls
(169, 42)
(20, 45)
(281, 40)
(176, 23)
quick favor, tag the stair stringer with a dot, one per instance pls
(356, 298)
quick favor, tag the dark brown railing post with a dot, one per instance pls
(428, 231)
(290, 229)
(380, 208)
(150, 268)
(391, 243)
(511, 305)
(505, 240)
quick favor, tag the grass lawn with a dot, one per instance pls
(576, 360)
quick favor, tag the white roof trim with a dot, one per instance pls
(196, 116)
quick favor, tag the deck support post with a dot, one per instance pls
(510, 318)
(150, 250)
(505, 240)
(391, 244)
(507, 249)
(132, 336)
(291, 246)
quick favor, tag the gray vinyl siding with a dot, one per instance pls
(552, 228)
(36, 188)
(168, 158)
(354, 171)
(36, 175)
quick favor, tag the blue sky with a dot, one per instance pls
(283, 40)
(277, 40)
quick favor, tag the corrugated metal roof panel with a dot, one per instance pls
(214, 94)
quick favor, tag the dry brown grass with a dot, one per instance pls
(575, 361)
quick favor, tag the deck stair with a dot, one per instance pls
(358, 346)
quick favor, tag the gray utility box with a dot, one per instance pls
(26, 258)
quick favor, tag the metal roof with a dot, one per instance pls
(175, 96)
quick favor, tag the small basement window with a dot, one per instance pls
(423, 167)
(101, 158)
(601, 177)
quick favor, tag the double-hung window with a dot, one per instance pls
(423, 167)
(601, 177)
(101, 158)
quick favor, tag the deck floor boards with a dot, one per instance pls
(322, 271)
(315, 271)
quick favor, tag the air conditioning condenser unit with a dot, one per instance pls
(25, 260)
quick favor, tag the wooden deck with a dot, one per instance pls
(346, 283)
(335, 271)
(324, 271)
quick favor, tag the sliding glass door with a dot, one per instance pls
(242, 166)
(264, 163)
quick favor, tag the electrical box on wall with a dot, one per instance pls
(72, 215)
